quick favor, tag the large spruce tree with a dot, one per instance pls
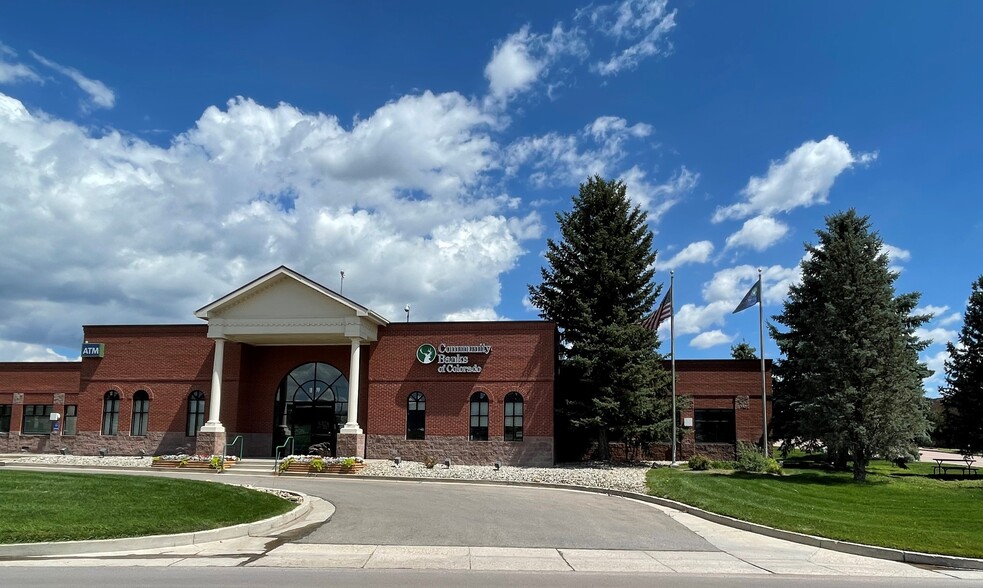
(850, 376)
(963, 390)
(597, 288)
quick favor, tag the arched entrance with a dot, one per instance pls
(311, 406)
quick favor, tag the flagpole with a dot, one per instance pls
(672, 351)
(764, 398)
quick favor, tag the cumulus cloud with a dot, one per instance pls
(935, 311)
(802, 179)
(519, 61)
(10, 351)
(698, 252)
(710, 339)
(11, 71)
(896, 256)
(99, 94)
(936, 335)
(111, 229)
(951, 319)
(638, 27)
(758, 233)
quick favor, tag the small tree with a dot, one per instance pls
(963, 390)
(743, 351)
(597, 288)
(850, 376)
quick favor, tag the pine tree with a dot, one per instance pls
(597, 288)
(850, 377)
(743, 351)
(963, 390)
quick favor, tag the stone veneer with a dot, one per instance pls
(86, 443)
(533, 451)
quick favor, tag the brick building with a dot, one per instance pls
(286, 359)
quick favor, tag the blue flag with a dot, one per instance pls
(752, 297)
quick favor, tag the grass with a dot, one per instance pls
(897, 508)
(63, 507)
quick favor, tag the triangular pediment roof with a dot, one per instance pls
(285, 307)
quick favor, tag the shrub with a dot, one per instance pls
(699, 462)
(429, 462)
(317, 464)
(749, 459)
(723, 465)
(348, 462)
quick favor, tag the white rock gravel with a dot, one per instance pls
(629, 478)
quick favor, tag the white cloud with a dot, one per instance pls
(99, 94)
(11, 72)
(710, 339)
(758, 233)
(698, 252)
(642, 24)
(951, 319)
(15, 351)
(519, 61)
(936, 363)
(937, 335)
(112, 229)
(657, 199)
(935, 311)
(896, 256)
(803, 178)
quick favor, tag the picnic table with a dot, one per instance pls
(963, 464)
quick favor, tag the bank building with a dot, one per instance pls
(284, 359)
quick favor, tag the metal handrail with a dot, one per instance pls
(276, 454)
(238, 440)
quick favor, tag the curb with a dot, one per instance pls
(254, 529)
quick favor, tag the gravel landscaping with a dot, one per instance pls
(597, 475)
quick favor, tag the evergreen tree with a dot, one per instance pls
(963, 390)
(743, 351)
(597, 288)
(850, 377)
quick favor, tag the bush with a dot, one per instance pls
(699, 462)
(723, 465)
(429, 462)
(749, 459)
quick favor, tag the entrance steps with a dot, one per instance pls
(252, 465)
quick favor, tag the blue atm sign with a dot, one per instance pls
(93, 350)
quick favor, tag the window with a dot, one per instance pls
(69, 426)
(141, 414)
(479, 417)
(37, 419)
(5, 418)
(110, 413)
(196, 412)
(714, 425)
(416, 416)
(513, 416)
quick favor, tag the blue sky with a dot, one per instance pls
(154, 157)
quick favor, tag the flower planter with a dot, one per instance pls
(302, 468)
(189, 465)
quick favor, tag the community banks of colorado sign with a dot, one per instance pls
(452, 359)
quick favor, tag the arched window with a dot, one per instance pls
(416, 416)
(110, 413)
(196, 412)
(479, 417)
(141, 414)
(513, 416)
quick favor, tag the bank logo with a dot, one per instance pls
(426, 353)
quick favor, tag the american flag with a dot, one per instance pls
(664, 311)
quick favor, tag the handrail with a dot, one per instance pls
(276, 454)
(238, 440)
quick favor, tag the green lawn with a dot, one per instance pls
(62, 507)
(897, 508)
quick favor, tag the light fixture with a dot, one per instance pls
(406, 309)
(396, 461)
(143, 453)
(63, 450)
(103, 451)
(498, 465)
(447, 462)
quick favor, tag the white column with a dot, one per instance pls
(351, 427)
(214, 424)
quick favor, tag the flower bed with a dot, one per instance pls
(315, 464)
(201, 462)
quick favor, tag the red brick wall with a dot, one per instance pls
(521, 360)
(34, 383)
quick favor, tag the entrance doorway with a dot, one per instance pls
(311, 406)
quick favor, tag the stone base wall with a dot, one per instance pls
(348, 445)
(91, 443)
(210, 443)
(533, 451)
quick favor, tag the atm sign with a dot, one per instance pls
(93, 350)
